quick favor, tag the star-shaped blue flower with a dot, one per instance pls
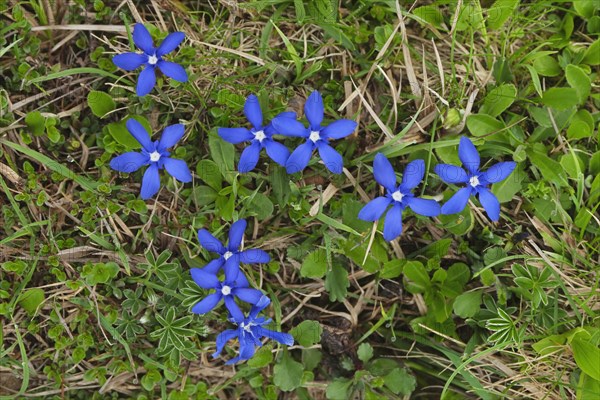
(226, 290)
(316, 135)
(152, 58)
(259, 136)
(155, 155)
(399, 197)
(477, 181)
(230, 256)
(250, 331)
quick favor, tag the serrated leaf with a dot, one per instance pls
(400, 381)
(287, 374)
(315, 264)
(307, 333)
(364, 352)
(336, 283)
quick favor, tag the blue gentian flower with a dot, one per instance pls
(316, 135)
(259, 136)
(230, 256)
(250, 331)
(399, 197)
(225, 290)
(151, 58)
(477, 181)
(155, 155)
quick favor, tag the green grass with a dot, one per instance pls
(95, 291)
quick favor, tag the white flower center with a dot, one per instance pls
(397, 196)
(247, 327)
(314, 136)
(227, 255)
(474, 181)
(260, 136)
(152, 60)
(225, 290)
(155, 156)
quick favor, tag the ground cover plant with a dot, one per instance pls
(422, 223)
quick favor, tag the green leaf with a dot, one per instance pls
(587, 357)
(499, 99)
(287, 374)
(262, 357)
(550, 169)
(35, 122)
(585, 8)
(308, 333)
(100, 103)
(31, 299)
(458, 276)
(400, 381)
(430, 15)
(592, 54)
(315, 264)
(467, 304)
(223, 153)
(499, 13)
(579, 81)
(483, 124)
(336, 283)
(364, 352)
(338, 389)
(418, 277)
(261, 206)
(560, 98)
(547, 66)
(210, 173)
(506, 189)
(150, 380)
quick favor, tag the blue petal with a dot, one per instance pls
(254, 256)
(313, 109)
(207, 303)
(150, 182)
(392, 228)
(490, 203)
(468, 155)
(205, 279)
(253, 112)
(283, 338)
(146, 81)
(241, 280)
(209, 242)
(289, 127)
(246, 349)
(339, 129)
(129, 61)
(170, 43)
(384, 173)
(458, 202)
(142, 39)
(222, 340)
(413, 175)
(129, 162)
(236, 233)
(232, 269)
(178, 169)
(299, 158)
(140, 134)
(248, 295)
(451, 173)
(173, 70)
(235, 135)
(499, 172)
(278, 152)
(426, 207)
(233, 308)
(331, 158)
(214, 266)
(259, 306)
(170, 136)
(374, 209)
(249, 157)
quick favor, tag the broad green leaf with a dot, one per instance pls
(572, 164)
(210, 173)
(35, 122)
(100, 103)
(31, 299)
(262, 357)
(587, 357)
(499, 13)
(336, 283)
(588, 388)
(560, 98)
(287, 374)
(400, 381)
(547, 66)
(418, 277)
(204, 195)
(467, 304)
(308, 333)
(592, 54)
(338, 389)
(261, 206)
(458, 276)
(585, 8)
(483, 124)
(579, 81)
(550, 169)
(315, 264)
(223, 154)
(499, 99)
(119, 132)
(506, 189)
(364, 352)
(430, 15)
